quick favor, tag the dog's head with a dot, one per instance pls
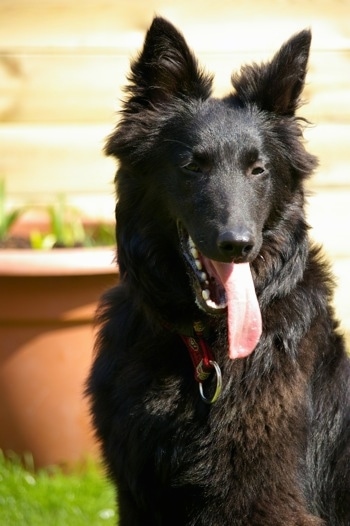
(207, 181)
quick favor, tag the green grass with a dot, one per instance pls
(54, 498)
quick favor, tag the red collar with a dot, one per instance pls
(203, 361)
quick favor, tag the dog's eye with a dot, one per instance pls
(192, 167)
(257, 169)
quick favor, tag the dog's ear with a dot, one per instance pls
(277, 85)
(165, 68)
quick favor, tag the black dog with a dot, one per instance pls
(220, 388)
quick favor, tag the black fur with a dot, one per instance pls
(274, 449)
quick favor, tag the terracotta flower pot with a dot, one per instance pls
(47, 305)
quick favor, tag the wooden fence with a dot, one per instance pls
(63, 63)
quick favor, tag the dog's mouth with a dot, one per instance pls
(225, 289)
(209, 291)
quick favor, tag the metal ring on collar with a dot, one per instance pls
(218, 388)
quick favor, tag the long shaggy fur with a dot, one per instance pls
(274, 450)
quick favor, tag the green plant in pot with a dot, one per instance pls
(63, 227)
(67, 229)
(7, 217)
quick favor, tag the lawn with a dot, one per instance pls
(53, 498)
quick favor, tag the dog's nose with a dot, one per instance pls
(236, 245)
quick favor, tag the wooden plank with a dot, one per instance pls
(60, 88)
(42, 161)
(328, 214)
(46, 151)
(52, 153)
(62, 23)
(330, 143)
(39, 163)
(87, 87)
(341, 294)
(47, 160)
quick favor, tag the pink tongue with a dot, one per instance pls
(244, 317)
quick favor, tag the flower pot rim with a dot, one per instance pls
(57, 262)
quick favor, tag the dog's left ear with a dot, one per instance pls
(277, 85)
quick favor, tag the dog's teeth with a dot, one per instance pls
(212, 304)
(191, 243)
(205, 294)
(194, 252)
(204, 277)
(198, 264)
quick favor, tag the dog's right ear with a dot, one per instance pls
(165, 68)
